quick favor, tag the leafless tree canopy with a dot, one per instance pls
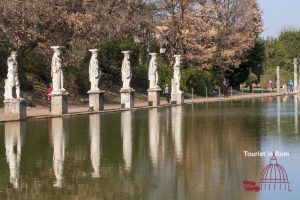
(206, 32)
(210, 32)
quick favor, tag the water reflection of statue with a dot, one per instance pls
(154, 135)
(278, 99)
(12, 79)
(177, 131)
(58, 140)
(152, 73)
(126, 130)
(95, 144)
(57, 71)
(94, 72)
(13, 143)
(176, 75)
(126, 70)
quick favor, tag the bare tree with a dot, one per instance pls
(210, 32)
(205, 32)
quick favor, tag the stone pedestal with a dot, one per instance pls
(127, 98)
(177, 97)
(59, 103)
(154, 96)
(15, 109)
(96, 100)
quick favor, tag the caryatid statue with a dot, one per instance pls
(152, 73)
(126, 70)
(176, 74)
(57, 71)
(12, 79)
(94, 72)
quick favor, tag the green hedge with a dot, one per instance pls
(285, 76)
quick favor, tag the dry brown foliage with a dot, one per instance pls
(211, 32)
(206, 32)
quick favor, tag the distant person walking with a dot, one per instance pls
(167, 93)
(270, 85)
(291, 86)
(49, 91)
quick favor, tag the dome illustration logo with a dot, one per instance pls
(273, 177)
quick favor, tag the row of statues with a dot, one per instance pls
(57, 76)
(95, 73)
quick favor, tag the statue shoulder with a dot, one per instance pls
(9, 60)
(95, 62)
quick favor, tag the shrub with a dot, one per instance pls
(285, 76)
(252, 78)
(165, 73)
(199, 80)
(111, 57)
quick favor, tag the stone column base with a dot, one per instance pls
(127, 98)
(59, 103)
(177, 98)
(96, 100)
(15, 109)
(154, 96)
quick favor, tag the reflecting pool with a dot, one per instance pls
(182, 152)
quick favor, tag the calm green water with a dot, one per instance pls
(189, 152)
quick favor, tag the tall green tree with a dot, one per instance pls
(282, 50)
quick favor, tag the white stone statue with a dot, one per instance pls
(57, 71)
(12, 79)
(94, 72)
(176, 75)
(126, 71)
(152, 73)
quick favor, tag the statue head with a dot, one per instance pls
(295, 61)
(153, 56)
(126, 54)
(57, 49)
(177, 58)
(13, 55)
(94, 52)
(57, 53)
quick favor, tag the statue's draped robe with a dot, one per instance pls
(152, 74)
(176, 77)
(12, 79)
(94, 73)
(57, 74)
(126, 73)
